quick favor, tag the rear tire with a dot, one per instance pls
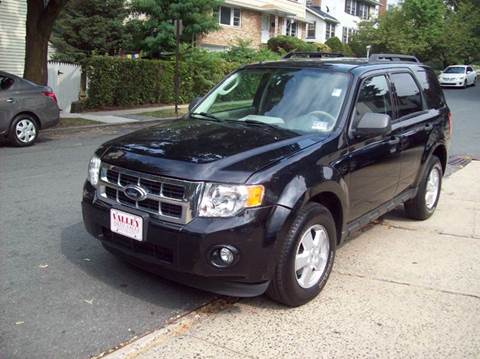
(23, 131)
(424, 204)
(306, 257)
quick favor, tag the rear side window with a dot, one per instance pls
(431, 88)
(5, 82)
(408, 93)
(374, 97)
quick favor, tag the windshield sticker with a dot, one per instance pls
(337, 92)
(320, 126)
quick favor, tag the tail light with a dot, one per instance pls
(51, 95)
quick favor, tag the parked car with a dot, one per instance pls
(458, 76)
(255, 188)
(25, 108)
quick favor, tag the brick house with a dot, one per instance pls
(340, 18)
(256, 21)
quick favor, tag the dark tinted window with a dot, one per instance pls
(374, 97)
(5, 82)
(409, 96)
(469, 69)
(431, 88)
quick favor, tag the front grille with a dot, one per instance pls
(168, 199)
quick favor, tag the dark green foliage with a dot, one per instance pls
(158, 28)
(116, 82)
(242, 53)
(285, 44)
(335, 44)
(88, 27)
(431, 30)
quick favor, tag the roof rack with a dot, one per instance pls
(393, 58)
(312, 55)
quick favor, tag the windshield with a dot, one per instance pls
(455, 70)
(301, 100)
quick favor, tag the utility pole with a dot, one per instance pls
(178, 33)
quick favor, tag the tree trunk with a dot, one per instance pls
(40, 20)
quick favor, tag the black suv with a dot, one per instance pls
(254, 189)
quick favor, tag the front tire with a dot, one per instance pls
(305, 258)
(425, 202)
(23, 131)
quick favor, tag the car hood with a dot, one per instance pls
(453, 75)
(201, 150)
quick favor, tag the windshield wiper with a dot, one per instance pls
(260, 123)
(207, 115)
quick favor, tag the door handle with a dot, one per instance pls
(395, 140)
(10, 100)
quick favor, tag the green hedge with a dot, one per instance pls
(117, 82)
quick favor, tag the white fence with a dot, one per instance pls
(65, 80)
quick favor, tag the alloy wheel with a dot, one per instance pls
(433, 188)
(312, 256)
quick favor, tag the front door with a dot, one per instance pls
(265, 28)
(374, 162)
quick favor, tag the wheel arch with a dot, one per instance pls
(441, 152)
(31, 114)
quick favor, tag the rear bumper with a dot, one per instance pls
(182, 252)
(50, 117)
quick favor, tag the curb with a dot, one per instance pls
(103, 125)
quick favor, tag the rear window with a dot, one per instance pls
(431, 88)
(408, 93)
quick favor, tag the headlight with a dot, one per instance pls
(94, 170)
(221, 200)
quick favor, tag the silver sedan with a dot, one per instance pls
(25, 109)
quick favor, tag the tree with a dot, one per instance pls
(41, 15)
(88, 27)
(198, 16)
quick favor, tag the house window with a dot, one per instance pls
(311, 30)
(344, 35)
(347, 34)
(357, 8)
(292, 28)
(330, 31)
(229, 16)
(363, 11)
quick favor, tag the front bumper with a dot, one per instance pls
(182, 252)
(452, 83)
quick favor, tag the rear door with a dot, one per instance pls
(7, 102)
(414, 123)
(374, 162)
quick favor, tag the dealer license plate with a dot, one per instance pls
(126, 224)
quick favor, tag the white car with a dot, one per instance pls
(458, 76)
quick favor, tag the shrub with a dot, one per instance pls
(282, 44)
(335, 44)
(118, 82)
(243, 53)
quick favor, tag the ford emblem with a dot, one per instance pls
(135, 193)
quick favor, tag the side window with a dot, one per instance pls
(431, 88)
(5, 83)
(408, 93)
(469, 69)
(374, 97)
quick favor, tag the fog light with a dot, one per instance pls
(223, 256)
(226, 256)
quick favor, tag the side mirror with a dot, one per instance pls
(373, 124)
(194, 103)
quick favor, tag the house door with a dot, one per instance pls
(265, 29)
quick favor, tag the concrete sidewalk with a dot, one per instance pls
(399, 289)
(120, 116)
